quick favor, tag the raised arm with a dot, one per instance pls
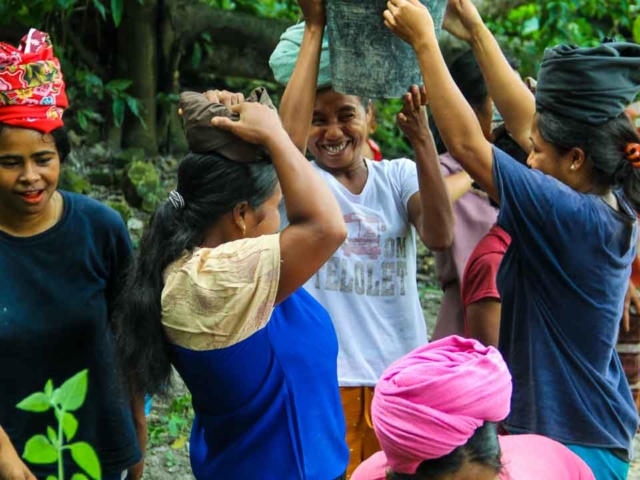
(296, 106)
(455, 118)
(430, 209)
(512, 97)
(316, 228)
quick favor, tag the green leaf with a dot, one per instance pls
(69, 426)
(133, 105)
(81, 117)
(86, 458)
(636, 30)
(39, 451)
(118, 111)
(100, 7)
(196, 56)
(48, 388)
(79, 476)
(51, 477)
(53, 437)
(118, 85)
(116, 11)
(71, 394)
(37, 402)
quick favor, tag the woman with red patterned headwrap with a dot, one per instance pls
(60, 256)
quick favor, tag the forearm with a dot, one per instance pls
(435, 222)
(307, 198)
(456, 120)
(296, 107)
(140, 424)
(513, 99)
(458, 185)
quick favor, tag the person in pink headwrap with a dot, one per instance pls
(435, 412)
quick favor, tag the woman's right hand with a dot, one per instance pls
(462, 19)
(313, 11)
(258, 123)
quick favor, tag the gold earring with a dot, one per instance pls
(573, 167)
(244, 230)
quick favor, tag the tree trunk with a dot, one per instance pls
(171, 137)
(138, 61)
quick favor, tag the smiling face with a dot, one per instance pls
(29, 171)
(338, 130)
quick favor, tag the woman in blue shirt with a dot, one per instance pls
(564, 277)
(61, 256)
(215, 291)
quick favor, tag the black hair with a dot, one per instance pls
(211, 186)
(482, 448)
(603, 145)
(467, 74)
(60, 138)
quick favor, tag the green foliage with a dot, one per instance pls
(173, 426)
(534, 26)
(122, 208)
(73, 182)
(146, 181)
(44, 450)
(286, 9)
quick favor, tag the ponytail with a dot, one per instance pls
(209, 186)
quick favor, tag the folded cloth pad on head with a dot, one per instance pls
(202, 137)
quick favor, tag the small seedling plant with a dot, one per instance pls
(47, 449)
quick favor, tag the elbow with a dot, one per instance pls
(438, 243)
(439, 246)
(338, 232)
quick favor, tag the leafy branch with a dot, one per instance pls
(47, 449)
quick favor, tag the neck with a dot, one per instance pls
(353, 176)
(21, 225)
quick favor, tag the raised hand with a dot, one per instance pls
(228, 99)
(462, 19)
(313, 11)
(412, 119)
(257, 124)
(409, 20)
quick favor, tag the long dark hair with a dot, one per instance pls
(211, 186)
(603, 145)
(482, 448)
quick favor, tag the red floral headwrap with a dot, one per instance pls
(32, 91)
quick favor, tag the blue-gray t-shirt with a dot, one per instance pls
(562, 282)
(56, 290)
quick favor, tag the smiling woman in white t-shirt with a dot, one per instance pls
(369, 285)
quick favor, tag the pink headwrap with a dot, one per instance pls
(432, 401)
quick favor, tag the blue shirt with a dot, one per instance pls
(56, 290)
(268, 408)
(562, 284)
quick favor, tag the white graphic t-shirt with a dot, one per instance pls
(369, 285)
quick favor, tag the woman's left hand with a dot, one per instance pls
(412, 119)
(409, 20)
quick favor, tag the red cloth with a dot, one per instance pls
(375, 148)
(32, 91)
(525, 457)
(479, 278)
